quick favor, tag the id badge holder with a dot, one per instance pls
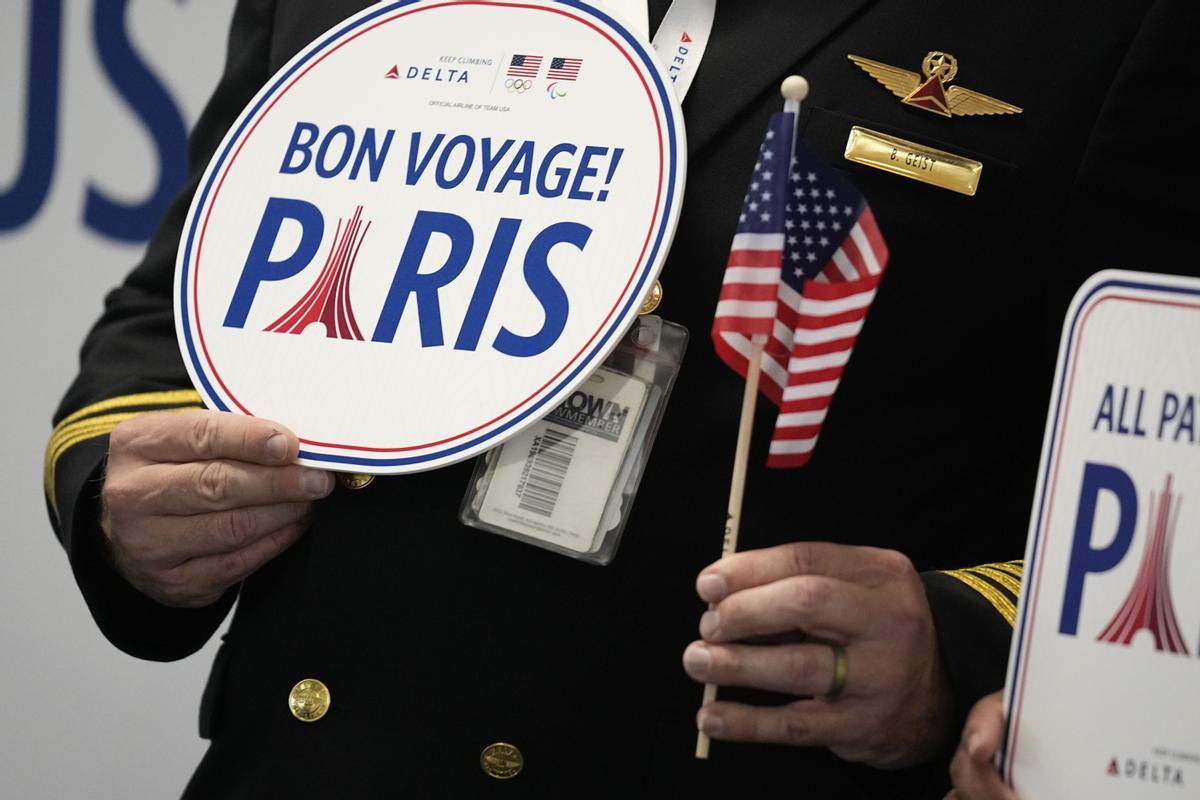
(568, 483)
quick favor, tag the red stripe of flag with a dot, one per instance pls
(754, 292)
(799, 432)
(755, 258)
(815, 376)
(804, 404)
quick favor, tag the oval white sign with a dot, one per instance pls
(429, 227)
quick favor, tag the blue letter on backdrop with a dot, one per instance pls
(135, 222)
(20, 202)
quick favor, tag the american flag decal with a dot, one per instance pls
(564, 69)
(806, 261)
(523, 66)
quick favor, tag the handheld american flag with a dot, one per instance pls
(804, 267)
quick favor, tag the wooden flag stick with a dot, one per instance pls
(794, 91)
(737, 488)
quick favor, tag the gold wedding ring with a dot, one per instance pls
(841, 672)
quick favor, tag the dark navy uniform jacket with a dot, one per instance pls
(437, 640)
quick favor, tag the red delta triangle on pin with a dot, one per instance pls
(931, 96)
(1112, 767)
(686, 38)
(393, 73)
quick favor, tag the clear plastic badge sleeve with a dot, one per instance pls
(568, 483)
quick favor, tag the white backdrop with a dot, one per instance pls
(79, 719)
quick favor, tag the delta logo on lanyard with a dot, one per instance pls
(406, 259)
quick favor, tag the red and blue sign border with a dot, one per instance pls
(666, 109)
(1088, 302)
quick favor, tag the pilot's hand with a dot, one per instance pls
(195, 501)
(845, 630)
(973, 769)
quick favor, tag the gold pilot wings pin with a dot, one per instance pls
(932, 92)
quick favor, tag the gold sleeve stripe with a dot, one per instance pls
(67, 438)
(1003, 605)
(79, 428)
(1006, 581)
(1014, 568)
(167, 398)
(149, 400)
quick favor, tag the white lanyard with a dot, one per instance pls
(681, 39)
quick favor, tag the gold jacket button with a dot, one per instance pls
(354, 481)
(309, 700)
(501, 761)
(653, 300)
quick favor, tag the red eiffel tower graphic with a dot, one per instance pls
(1149, 605)
(328, 300)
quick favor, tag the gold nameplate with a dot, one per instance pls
(912, 160)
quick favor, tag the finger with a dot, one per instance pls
(984, 728)
(977, 781)
(822, 607)
(179, 539)
(197, 435)
(225, 569)
(759, 567)
(802, 724)
(973, 770)
(220, 485)
(804, 670)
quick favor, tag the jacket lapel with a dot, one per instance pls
(756, 43)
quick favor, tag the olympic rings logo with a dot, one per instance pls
(518, 85)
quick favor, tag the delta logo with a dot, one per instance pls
(1145, 771)
(680, 57)
(434, 74)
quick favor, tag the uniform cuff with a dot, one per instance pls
(973, 611)
(129, 619)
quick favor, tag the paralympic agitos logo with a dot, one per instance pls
(566, 171)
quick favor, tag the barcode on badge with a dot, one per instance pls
(545, 470)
